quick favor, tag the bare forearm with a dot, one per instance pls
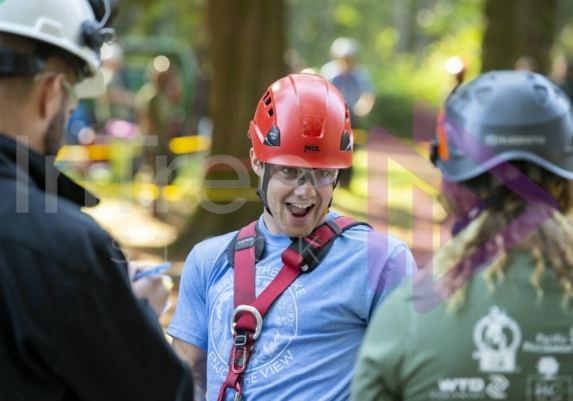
(196, 359)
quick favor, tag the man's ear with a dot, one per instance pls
(258, 166)
(50, 95)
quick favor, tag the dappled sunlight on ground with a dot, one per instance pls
(132, 224)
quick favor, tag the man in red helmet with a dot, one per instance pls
(278, 309)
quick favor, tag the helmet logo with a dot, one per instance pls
(494, 140)
(312, 126)
(311, 148)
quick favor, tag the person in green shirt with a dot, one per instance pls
(491, 317)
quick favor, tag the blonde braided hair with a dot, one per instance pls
(551, 241)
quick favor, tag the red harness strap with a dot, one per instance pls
(302, 256)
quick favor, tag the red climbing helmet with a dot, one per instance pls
(302, 121)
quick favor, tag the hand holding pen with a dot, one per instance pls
(152, 285)
(153, 271)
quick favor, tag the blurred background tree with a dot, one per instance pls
(247, 43)
(520, 34)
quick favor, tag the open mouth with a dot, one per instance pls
(299, 209)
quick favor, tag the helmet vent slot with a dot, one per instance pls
(483, 94)
(49, 28)
(541, 93)
(345, 144)
(267, 100)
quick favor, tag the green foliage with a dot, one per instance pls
(563, 49)
(404, 45)
(347, 16)
(154, 18)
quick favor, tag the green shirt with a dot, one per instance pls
(503, 344)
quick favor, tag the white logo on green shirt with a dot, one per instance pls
(497, 338)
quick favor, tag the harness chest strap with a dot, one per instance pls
(302, 256)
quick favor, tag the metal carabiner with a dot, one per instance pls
(253, 311)
(238, 392)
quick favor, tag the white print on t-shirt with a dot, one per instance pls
(469, 388)
(497, 338)
(548, 386)
(272, 355)
(550, 343)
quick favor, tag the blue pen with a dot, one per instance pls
(153, 271)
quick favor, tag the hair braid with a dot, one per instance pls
(474, 247)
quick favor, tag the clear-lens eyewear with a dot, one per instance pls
(296, 176)
(71, 93)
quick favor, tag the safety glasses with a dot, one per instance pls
(71, 94)
(296, 176)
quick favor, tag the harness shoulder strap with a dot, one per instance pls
(312, 248)
(250, 236)
(247, 237)
(343, 223)
(303, 255)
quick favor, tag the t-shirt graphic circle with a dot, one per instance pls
(279, 325)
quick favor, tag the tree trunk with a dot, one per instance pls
(516, 28)
(247, 45)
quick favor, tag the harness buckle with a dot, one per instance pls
(238, 361)
(240, 340)
(253, 311)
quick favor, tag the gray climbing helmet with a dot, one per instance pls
(504, 116)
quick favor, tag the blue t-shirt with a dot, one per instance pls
(311, 334)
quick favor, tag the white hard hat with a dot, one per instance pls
(69, 25)
(344, 48)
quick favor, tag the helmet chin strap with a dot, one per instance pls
(334, 184)
(264, 184)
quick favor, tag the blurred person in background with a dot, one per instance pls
(117, 102)
(526, 62)
(351, 78)
(491, 318)
(74, 325)
(354, 82)
(456, 67)
(157, 107)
